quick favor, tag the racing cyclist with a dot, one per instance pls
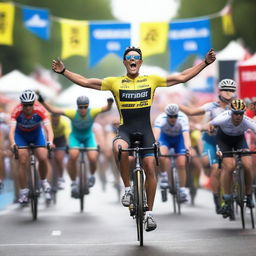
(232, 125)
(134, 95)
(171, 129)
(27, 122)
(227, 89)
(81, 134)
(61, 130)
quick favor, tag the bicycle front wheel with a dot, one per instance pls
(82, 185)
(34, 191)
(139, 205)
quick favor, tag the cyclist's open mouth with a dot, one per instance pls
(133, 66)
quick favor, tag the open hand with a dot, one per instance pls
(58, 66)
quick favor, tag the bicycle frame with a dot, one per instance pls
(138, 207)
(83, 179)
(34, 186)
(239, 183)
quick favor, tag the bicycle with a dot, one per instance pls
(139, 205)
(33, 180)
(83, 179)
(239, 195)
(174, 184)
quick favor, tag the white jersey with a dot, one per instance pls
(214, 109)
(225, 123)
(180, 126)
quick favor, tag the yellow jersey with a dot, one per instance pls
(133, 97)
(63, 128)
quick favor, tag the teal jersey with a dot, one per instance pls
(82, 126)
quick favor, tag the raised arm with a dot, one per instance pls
(108, 106)
(192, 111)
(59, 67)
(187, 74)
(49, 107)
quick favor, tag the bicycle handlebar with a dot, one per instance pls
(234, 152)
(31, 147)
(138, 149)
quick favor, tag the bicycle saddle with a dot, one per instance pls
(136, 139)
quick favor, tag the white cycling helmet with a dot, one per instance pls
(171, 109)
(28, 96)
(227, 84)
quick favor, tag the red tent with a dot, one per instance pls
(247, 77)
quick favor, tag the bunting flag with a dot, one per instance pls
(227, 24)
(37, 21)
(7, 11)
(108, 38)
(186, 38)
(153, 38)
(74, 38)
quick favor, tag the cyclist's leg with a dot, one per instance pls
(150, 181)
(59, 156)
(43, 164)
(179, 148)
(90, 142)
(74, 145)
(164, 166)
(248, 173)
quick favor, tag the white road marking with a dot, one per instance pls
(56, 233)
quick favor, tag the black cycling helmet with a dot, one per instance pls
(238, 105)
(82, 100)
(132, 48)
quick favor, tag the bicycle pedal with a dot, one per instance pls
(132, 210)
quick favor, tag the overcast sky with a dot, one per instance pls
(144, 10)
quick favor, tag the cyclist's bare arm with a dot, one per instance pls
(187, 140)
(188, 74)
(52, 109)
(156, 132)
(108, 106)
(192, 111)
(49, 132)
(93, 83)
(11, 134)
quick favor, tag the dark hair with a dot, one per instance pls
(132, 48)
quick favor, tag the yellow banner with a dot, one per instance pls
(74, 38)
(153, 37)
(6, 23)
(228, 25)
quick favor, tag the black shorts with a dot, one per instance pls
(127, 134)
(60, 143)
(229, 143)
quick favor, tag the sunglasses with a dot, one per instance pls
(81, 107)
(135, 57)
(227, 90)
(240, 113)
(172, 116)
(28, 105)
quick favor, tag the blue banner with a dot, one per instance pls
(108, 38)
(37, 21)
(186, 38)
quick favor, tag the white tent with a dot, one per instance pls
(68, 97)
(233, 51)
(13, 83)
(250, 62)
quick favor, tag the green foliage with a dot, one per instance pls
(28, 50)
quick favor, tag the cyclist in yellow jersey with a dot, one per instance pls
(134, 95)
(61, 130)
